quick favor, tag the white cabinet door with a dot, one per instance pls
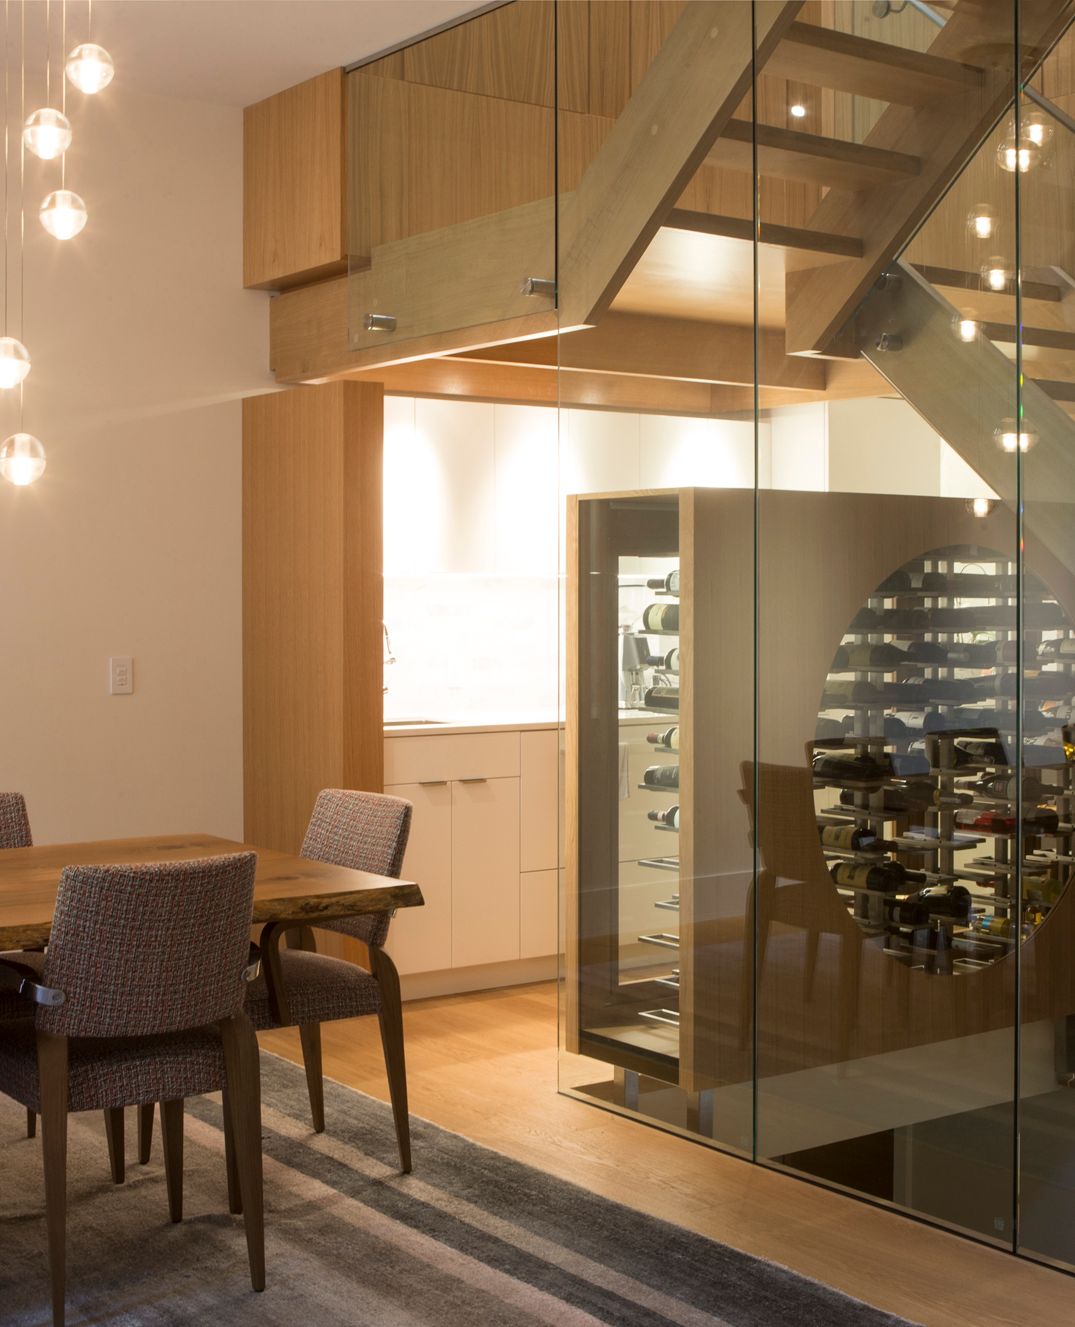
(540, 804)
(485, 871)
(421, 938)
(537, 914)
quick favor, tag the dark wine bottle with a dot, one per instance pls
(917, 909)
(669, 739)
(854, 838)
(670, 662)
(669, 817)
(661, 776)
(883, 877)
(661, 698)
(669, 584)
(661, 618)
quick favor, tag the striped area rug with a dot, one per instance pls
(471, 1239)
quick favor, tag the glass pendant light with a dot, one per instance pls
(1011, 438)
(90, 68)
(995, 275)
(63, 214)
(966, 329)
(14, 362)
(22, 459)
(982, 222)
(47, 133)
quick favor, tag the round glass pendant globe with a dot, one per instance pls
(63, 214)
(90, 68)
(47, 133)
(14, 362)
(22, 459)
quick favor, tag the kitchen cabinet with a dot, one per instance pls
(483, 847)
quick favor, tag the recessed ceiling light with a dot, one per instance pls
(798, 110)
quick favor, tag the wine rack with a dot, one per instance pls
(916, 759)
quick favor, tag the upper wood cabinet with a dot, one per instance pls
(293, 197)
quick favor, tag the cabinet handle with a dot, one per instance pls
(432, 783)
(473, 780)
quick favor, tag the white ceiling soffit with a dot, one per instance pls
(239, 51)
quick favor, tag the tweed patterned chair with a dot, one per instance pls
(145, 973)
(15, 833)
(298, 987)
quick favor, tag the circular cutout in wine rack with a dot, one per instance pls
(915, 761)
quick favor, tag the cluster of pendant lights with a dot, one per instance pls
(47, 134)
(1015, 154)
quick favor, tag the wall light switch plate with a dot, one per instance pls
(120, 675)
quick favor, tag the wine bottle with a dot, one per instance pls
(669, 584)
(976, 654)
(854, 838)
(941, 797)
(670, 818)
(669, 739)
(863, 655)
(883, 877)
(1003, 786)
(926, 652)
(911, 798)
(846, 766)
(661, 618)
(917, 909)
(661, 698)
(670, 662)
(1002, 926)
(838, 691)
(661, 776)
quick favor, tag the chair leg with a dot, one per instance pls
(172, 1138)
(52, 1074)
(391, 1020)
(243, 1071)
(145, 1133)
(310, 1036)
(31, 1124)
(235, 1198)
(114, 1131)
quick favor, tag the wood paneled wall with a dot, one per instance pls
(312, 602)
(293, 171)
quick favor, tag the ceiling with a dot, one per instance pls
(239, 51)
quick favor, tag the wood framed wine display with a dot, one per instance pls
(796, 802)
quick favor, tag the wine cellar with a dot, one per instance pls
(883, 791)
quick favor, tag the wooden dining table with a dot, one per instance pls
(286, 888)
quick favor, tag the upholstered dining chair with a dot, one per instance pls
(15, 833)
(299, 987)
(140, 1000)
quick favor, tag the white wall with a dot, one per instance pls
(143, 343)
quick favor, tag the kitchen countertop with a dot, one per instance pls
(454, 727)
(498, 724)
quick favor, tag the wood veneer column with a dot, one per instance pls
(312, 602)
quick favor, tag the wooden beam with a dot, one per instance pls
(946, 134)
(688, 94)
(824, 57)
(810, 158)
(637, 345)
(784, 237)
(308, 336)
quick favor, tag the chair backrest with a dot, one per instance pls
(367, 832)
(14, 822)
(149, 948)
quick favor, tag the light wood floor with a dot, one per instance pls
(484, 1066)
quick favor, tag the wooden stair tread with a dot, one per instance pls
(1048, 338)
(826, 58)
(785, 237)
(810, 158)
(954, 279)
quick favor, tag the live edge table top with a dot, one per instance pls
(286, 888)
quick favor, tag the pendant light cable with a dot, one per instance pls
(7, 124)
(22, 197)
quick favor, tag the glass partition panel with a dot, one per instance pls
(1042, 135)
(451, 179)
(659, 467)
(815, 442)
(887, 756)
